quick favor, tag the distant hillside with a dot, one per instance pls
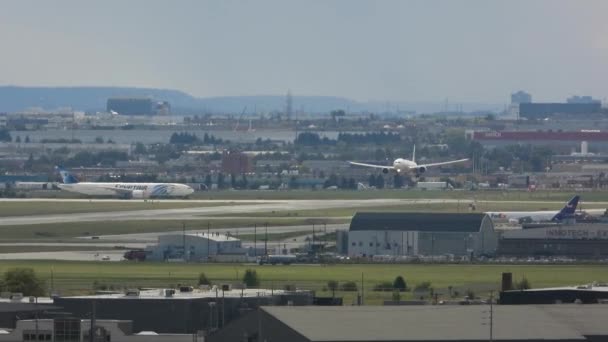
(92, 99)
(13, 99)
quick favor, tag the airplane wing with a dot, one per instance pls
(372, 165)
(444, 163)
(119, 191)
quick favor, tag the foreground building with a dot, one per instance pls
(76, 330)
(414, 234)
(421, 323)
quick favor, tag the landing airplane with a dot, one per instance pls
(566, 212)
(123, 190)
(401, 165)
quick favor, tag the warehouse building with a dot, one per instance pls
(583, 294)
(421, 323)
(581, 241)
(197, 247)
(74, 329)
(183, 310)
(543, 110)
(416, 234)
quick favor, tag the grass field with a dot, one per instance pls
(78, 277)
(63, 231)
(23, 208)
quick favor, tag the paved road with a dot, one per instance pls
(202, 212)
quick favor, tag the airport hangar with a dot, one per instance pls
(580, 240)
(410, 234)
(466, 234)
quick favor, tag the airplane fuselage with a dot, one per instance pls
(404, 165)
(142, 190)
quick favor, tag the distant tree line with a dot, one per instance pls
(380, 138)
(369, 138)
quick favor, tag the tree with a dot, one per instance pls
(524, 284)
(397, 181)
(349, 286)
(380, 182)
(203, 280)
(27, 139)
(399, 284)
(23, 280)
(221, 182)
(371, 181)
(99, 140)
(233, 181)
(332, 285)
(396, 296)
(18, 139)
(250, 279)
(140, 148)
(208, 181)
(5, 135)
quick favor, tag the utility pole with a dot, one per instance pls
(266, 239)
(491, 316)
(208, 240)
(184, 240)
(255, 239)
(362, 289)
(92, 328)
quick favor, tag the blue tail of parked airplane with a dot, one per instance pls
(66, 177)
(568, 210)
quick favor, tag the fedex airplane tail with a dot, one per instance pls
(66, 177)
(568, 210)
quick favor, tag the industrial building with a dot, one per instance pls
(581, 240)
(197, 247)
(183, 310)
(582, 294)
(558, 140)
(543, 110)
(415, 234)
(421, 323)
(74, 329)
(236, 163)
(137, 106)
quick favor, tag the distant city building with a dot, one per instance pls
(559, 141)
(163, 108)
(544, 110)
(137, 106)
(582, 99)
(521, 97)
(236, 163)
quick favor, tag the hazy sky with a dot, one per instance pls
(423, 50)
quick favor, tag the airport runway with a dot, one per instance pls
(201, 212)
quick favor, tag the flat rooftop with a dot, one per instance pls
(444, 323)
(195, 294)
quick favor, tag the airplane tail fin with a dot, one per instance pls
(414, 154)
(568, 210)
(66, 176)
